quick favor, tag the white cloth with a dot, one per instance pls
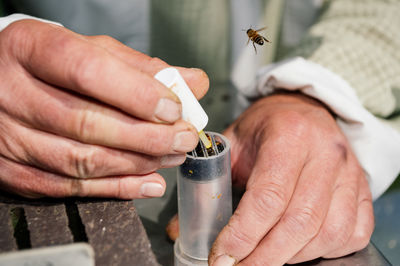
(376, 145)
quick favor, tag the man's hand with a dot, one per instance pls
(306, 195)
(83, 116)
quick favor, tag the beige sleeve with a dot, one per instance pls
(360, 41)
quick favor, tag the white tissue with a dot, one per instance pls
(192, 111)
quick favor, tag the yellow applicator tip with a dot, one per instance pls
(205, 140)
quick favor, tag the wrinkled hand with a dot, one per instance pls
(306, 195)
(83, 116)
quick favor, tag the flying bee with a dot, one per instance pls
(255, 37)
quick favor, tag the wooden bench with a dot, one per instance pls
(111, 227)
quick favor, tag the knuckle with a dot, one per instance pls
(303, 224)
(15, 32)
(239, 237)
(104, 39)
(157, 61)
(295, 121)
(12, 145)
(76, 188)
(270, 199)
(84, 163)
(363, 232)
(119, 189)
(147, 164)
(157, 141)
(293, 124)
(339, 229)
(86, 67)
(84, 125)
(336, 234)
(362, 239)
(16, 38)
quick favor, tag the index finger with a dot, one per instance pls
(66, 59)
(196, 78)
(269, 188)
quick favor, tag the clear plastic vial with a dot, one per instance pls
(204, 200)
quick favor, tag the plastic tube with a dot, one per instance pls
(204, 200)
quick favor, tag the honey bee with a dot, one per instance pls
(255, 37)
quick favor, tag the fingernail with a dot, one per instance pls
(184, 141)
(167, 110)
(172, 160)
(152, 190)
(224, 260)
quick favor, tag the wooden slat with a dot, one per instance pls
(116, 233)
(48, 225)
(7, 241)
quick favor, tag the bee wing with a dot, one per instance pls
(261, 29)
